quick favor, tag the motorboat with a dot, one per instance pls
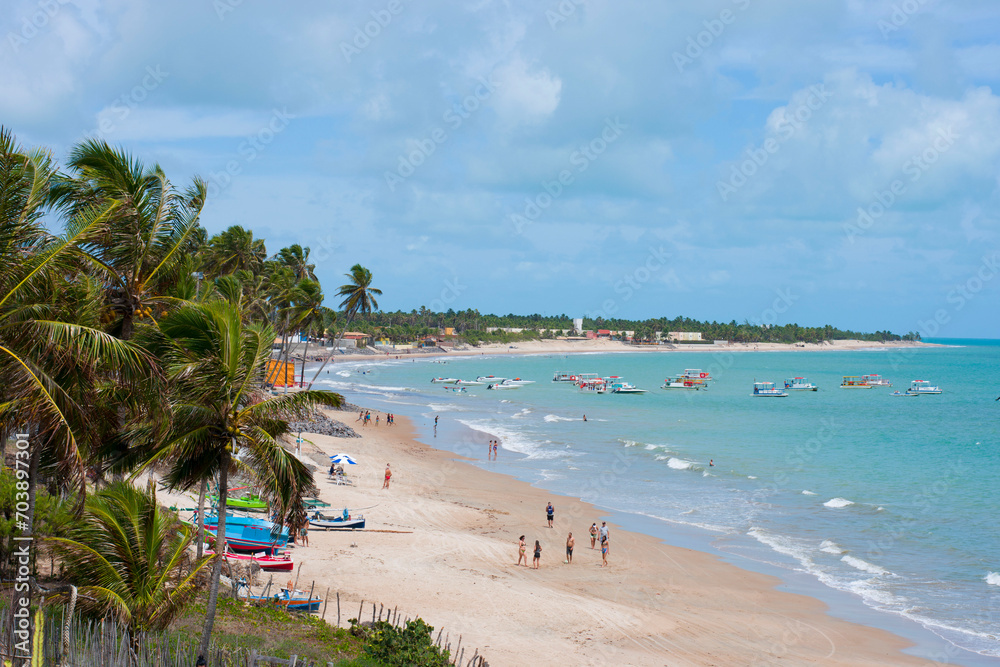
(696, 374)
(444, 380)
(503, 385)
(469, 383)
(517, 381)
(595, 385)
(921, 387)
(768, 389)
(682, 382)
(902, 393)
(560, 376)
(876, 380)
(276, 563)
(854, 382)
(623, 387)
(800, 384)
(490, 379)
(343, 522)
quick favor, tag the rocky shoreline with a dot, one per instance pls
(323, 425)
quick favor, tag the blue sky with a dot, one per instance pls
(781, 161)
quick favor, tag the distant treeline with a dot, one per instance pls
(472, 326)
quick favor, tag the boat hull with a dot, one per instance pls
(337, 524)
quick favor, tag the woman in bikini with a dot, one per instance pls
(538, 553)
(593, 535)
(521, 552)
(604, 552)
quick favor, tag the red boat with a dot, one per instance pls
(267, 563)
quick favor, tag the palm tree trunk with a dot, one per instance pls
(323, 365)
(201, 518)
(220, 549)
(305, 356)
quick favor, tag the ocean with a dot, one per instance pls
(892, 500)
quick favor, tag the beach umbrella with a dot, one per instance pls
(343, 458)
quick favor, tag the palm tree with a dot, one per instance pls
(233, 250)
(296, 258)
(145, 235)
(48, 366)
(359, 297)
(132, 554)
(223, 419)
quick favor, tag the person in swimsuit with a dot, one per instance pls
(521, 552)
(494, 450)
(593, 535)
(570, 543)
(549, 514)
(538, 553)
(388, 476)
(604, 552)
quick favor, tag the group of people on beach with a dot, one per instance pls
(595, 533)
(365, 417)
(491, 450)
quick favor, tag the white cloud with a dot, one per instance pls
(525, 94)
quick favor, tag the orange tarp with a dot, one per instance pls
(280, 374)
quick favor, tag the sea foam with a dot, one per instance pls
(992, 578)
(837, 503)
(864, 565)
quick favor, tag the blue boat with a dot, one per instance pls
(246, 533)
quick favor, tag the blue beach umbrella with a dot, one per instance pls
(343, 458)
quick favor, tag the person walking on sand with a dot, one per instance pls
(550, 513)
(593, 535)
(538, 554)
(388, 476)
(604, 532)
(570, 543)
(521, 551)
(604, 552)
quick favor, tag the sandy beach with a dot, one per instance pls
(441, 543)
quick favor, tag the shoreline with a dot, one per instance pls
(602, 346)
(655, 603)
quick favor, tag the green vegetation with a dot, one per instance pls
(401, 647)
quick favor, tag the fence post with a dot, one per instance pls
(326, 601)
(338, 609)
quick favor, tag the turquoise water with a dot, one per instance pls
(891, 499)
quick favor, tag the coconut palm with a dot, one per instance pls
(131, 554)
(233, 250)
(143, 237)
(223, 419)
(359, 297)
(296, 258)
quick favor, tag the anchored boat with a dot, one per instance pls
(854, 382)
(921, 387)
(342, 522)
(876, 380)
(800, 384)
(768, 389)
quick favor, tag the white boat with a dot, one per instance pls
(682, 382)
(490, 379)
(902, 393)
(876, 380)
(854, 382)
(593, 386)
(800, 384)
(921, 387)
(622, 387)
(344, 521)
(696, 374)
(572, 377)
(768, 389)
(444, 380)
(470, 383)
(517, 381)
(501, 385)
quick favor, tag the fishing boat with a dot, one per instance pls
(292, 600)
(342, 522)
(681, 382)
(854, 382)
(800, 384)
(246, 533)
(490, 379)
(248, 502)
(768, 389)
(282, 563)
(876, 380)
(444, 380)
(921, 387)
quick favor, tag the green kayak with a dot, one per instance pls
(248, 501)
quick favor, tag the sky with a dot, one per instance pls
(777, 161)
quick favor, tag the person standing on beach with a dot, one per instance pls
(549, 513)
(538, 554)
(570, 543)
(593, 535)
(436, 420)
(521, 551)
(495, 445)
(604, 552)
(604, 532)
(489, 450)
(388, 476)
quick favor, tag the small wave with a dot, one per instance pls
(751, 476)
(557, 418)
(504, 400)
(864, 565)
(524, 412)
(679, 464)
(651, 448)
(808, 493)
(831, 547)
(837, 503)
(992, 578)
(630, 443)
(343, 374)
